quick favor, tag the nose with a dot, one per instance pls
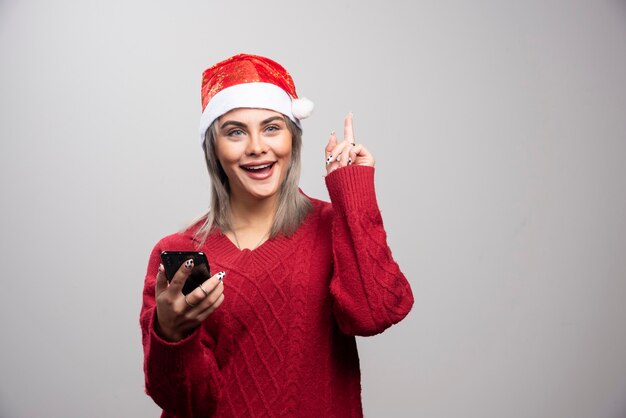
(256, 144)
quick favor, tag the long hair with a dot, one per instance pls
(292, 208)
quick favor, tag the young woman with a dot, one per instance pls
(272, 332)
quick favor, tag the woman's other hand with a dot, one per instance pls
(179, 315)
(347, 152)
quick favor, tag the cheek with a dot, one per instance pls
(284, 148)
(286, 153)
(226, 154)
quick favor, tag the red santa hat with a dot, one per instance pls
(246, 80)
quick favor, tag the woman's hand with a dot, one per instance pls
(347, 152)
(178, 315)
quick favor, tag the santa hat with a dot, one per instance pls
(249, 81)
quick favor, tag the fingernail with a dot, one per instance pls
(220, 275)
(189, 264)
(161, 268)
(329, 159)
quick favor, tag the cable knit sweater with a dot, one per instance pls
(282, 343)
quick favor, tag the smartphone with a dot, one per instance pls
(172, 260)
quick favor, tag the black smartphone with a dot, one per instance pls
(172, 260)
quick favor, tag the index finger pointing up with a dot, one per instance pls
(348, 133)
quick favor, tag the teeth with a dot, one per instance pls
(258, 167)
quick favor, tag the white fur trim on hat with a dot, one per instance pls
(254, 95)
(302, 107)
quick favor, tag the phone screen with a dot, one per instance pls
(172, 260)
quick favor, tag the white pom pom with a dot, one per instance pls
(302, 108)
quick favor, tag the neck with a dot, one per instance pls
(250, 213)
(251, 221)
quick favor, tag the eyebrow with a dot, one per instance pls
(243, 125)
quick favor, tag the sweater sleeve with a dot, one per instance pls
(369, 291)
(182, 377)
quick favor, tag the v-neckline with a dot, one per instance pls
(221, 249)
(236, 248)
(226, 253)
(235, 243)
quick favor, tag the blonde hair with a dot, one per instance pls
(293, 206)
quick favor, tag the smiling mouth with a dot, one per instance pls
(258, 168)
(259, 171)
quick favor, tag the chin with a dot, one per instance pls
(261, 193)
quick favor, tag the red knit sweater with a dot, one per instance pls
(282, 343)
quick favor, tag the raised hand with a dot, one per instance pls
(346, 152)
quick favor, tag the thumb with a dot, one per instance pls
(332, 143)
(179, 279)
(161, 281)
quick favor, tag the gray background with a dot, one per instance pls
(500, 133)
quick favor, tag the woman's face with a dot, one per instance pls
(254, 149)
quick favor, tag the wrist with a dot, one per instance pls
(166, 333)
(352, 187)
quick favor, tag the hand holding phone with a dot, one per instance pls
(185, 293)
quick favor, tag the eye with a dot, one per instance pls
(235, 132)
(272, 128)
